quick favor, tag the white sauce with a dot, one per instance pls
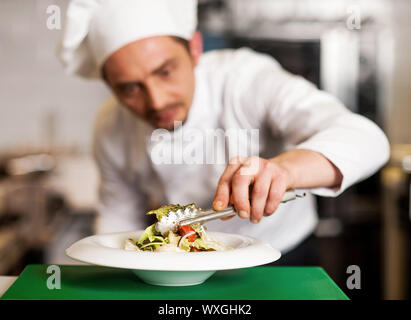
(170, 221)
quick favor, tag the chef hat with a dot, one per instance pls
(94, 29)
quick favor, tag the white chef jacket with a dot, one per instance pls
(235, 89)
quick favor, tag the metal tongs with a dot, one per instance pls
(205, 215)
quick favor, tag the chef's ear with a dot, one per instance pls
(196, 46)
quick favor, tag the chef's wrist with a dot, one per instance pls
(308, 169)
(286, 172)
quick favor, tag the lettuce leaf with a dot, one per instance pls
(151, 239)
(149, 233)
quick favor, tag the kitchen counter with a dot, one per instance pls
(258, 283)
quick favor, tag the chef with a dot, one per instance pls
(216, 128)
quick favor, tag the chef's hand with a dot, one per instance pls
(255, 186)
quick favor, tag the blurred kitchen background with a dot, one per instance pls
(357, 50)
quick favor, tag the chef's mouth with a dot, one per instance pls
(166, 115)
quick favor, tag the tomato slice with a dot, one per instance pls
(182, 230)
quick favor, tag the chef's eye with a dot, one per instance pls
(165, 72)
(130, 88)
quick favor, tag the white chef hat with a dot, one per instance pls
(94, 29)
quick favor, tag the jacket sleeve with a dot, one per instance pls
(121, 200)
(308, 118)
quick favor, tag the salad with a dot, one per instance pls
(167, 236)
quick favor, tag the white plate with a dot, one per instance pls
(173, 268)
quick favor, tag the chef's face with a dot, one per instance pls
(154, 78)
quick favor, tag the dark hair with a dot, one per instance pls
(182, 41)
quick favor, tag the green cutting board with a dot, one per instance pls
(259, 283)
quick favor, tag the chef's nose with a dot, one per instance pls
(157, 97)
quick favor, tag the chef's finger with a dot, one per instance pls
(240, 191)
(259, 196)
(222, 196)
(230, 203)
(275, 195)
(231, 200)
